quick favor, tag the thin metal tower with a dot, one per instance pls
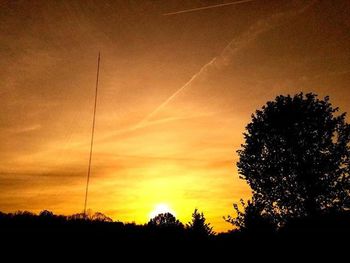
(92, 135)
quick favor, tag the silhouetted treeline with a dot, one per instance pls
(97, 235)
(59, 237)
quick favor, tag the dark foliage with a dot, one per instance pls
(48, 237)
(166, 225)
(165, 220)
(198, 226)
(97, 216)
(253, 219)
(296, 157)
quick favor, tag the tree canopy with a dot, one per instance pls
(198, 225)
(165, 220)
(296, 156)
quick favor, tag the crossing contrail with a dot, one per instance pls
(207, 7)
(221, 60)
(232, 48)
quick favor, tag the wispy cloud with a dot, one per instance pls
(146, 122)
(28, 128)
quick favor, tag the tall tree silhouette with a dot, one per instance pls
(198, 225)
(296, 156)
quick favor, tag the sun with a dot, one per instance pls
(161, 209)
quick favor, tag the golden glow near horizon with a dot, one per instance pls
(161, 208)
(176, 93)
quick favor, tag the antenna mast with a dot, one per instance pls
(92, 135)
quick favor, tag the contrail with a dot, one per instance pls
(256, 30)
(232, 48)
(207, 7)
(146, 119)
(222, 60)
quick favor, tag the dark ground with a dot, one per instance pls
(54, 238)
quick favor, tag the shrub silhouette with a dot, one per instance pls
(198, 226)
(296, 156)
(253, 219)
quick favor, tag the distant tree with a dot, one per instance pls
(198, 226)
(98, 216)
(79, 216)
(90, 216)
(165, 220)
(24, 214)
(296, 156)
(46, 213)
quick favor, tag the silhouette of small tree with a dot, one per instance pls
(198, 226)
(296, 156)
(165, 220)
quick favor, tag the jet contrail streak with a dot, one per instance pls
(233, 47)
(207, 7)
(176, 92)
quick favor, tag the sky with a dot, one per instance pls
(175, 94)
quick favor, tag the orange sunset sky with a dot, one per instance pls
(175, 95)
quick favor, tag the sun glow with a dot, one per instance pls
(161, 209)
